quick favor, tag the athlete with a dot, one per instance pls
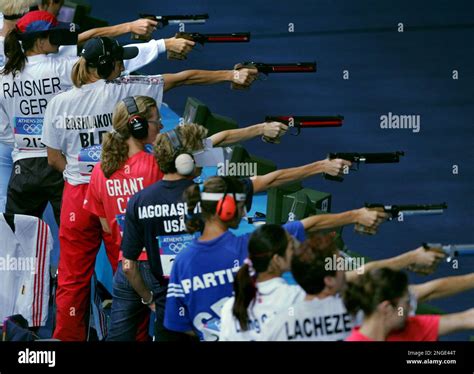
(125, 169)
(383, 296)
(323, 282)
(202, 274)
(33, 74)
(12, 11)
(75, 122)
(259, 287)
(155, 216)
(142, 26)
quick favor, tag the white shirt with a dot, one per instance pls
(2, 52)
(75, 121)
(272, 296)
(24, 269)
(316, 320)
(25, 97)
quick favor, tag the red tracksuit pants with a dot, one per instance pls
(80, 237)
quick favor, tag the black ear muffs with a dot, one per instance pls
(105, 64)
(137, 125)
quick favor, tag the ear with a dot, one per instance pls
(329, 281)
(385, 307)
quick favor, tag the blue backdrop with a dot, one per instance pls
(408, 72)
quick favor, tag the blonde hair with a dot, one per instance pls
(191, 136)
(82, 74)
(13, 7)
(114, 145)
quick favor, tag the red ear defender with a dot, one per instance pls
(226, 208)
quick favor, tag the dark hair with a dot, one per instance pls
(195, 219)
(374, 287)
(265, 242)
(308, 263)
(15, 51)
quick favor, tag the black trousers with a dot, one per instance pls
(33, 183)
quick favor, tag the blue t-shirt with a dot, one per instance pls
(201, 281)
(155, 221)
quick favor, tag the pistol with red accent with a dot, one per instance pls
(298, 67)
(302, 122)
(236, 37)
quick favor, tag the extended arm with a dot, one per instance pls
(228, 137)
(280, 177)
(140, 27)
(450, 323)
(418, 257)
(442, 287)
(195, 77)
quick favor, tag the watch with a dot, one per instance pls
(150, 301)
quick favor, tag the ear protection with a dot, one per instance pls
(226, 204)
(106, 62)
(184, 162)
(137, 125)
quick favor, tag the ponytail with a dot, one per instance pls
(264, 243)
(245, 291)
(114, 153)
(373, 288)
(16, 58)
(194, 222)
(82, 74)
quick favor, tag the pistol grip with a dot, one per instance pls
(332, 178)
(175, 56)
(236, 86)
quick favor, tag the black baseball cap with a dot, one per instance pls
(97, 48)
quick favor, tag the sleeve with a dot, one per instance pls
(248, 189)
(296, 229)
(146, 85)
(93, 201)
(147, 53)
(68, 51)
(50, 136)
(133, 236)
(177, 316)
(418, 328)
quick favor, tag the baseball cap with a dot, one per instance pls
(40, 21)
(97, 48)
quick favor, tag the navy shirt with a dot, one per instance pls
(201, 281)
(155, 221)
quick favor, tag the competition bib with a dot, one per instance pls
(170, 246)
(28, 133)
(88, 158)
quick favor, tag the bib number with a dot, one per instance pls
(88, 158)
(28, 133)
(170, 246)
